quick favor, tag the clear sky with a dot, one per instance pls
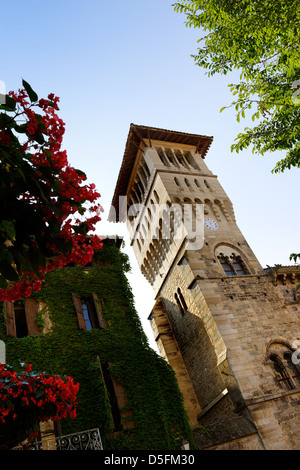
(118, 62)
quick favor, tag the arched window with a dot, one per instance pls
(281, 372)
(233, 265)
(162, 156)
(171, 157)
(238, 265)
(177, 182)
(187, 182)
(226, 265)
(287, 373)
(180, 301)
(156, 196)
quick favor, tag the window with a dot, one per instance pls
(122, 416)
(114, 408)
(156, 196)
(177, 182)
(180, 301)
(162, 156)
(197, 184)
(171, 157)
(21, 318)
(187, 182)
(287, 373)
(89, 312)
(238, 265)
(89, 315)
(226, 265)
(233, 265)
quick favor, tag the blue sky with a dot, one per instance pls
(113, 63)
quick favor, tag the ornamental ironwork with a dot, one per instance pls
(85, 440)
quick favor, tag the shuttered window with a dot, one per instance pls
(122, 416)
(89, 312)
(21, 318)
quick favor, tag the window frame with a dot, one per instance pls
(93, 303)
(31, 308)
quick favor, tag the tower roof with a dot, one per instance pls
(144, 134)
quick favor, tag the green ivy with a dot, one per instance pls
(151, 387)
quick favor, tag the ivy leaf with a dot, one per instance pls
(32, 94)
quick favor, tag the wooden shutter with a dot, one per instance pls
(10, 319)
(31, 312)
(126, 414)
(99, 310)
(79, 311)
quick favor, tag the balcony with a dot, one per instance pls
(85, 440)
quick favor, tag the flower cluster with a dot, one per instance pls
(44, 396)
(47, 208)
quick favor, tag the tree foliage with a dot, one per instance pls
(46, 210)
(261, 40)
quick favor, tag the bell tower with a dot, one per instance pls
(218, 315)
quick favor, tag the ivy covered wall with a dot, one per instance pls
(153, 399)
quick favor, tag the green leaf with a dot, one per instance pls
(80, 173)
(10, 102)
(32, 94)
(21, 128)
(3, 283)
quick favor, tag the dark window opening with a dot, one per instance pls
(281, 372)
(21, 322)
(179, 304)
(115, 412)
(180, 301)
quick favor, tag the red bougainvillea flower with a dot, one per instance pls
(44, 396)
(48, 211)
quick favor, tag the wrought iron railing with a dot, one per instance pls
(85, 440)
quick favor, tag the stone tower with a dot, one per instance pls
(229, 328)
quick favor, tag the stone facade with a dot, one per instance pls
(229, 328)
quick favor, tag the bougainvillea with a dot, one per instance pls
(27, 398)
(44, 396)
(47, 211)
